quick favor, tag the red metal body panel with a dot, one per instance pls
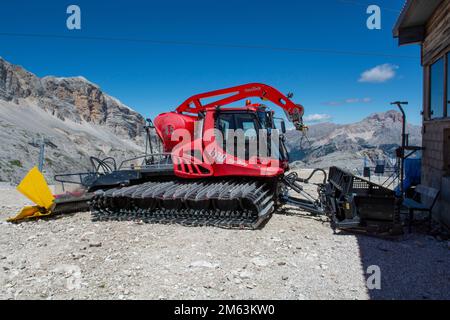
(167, 123)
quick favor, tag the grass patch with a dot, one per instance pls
(16, 163)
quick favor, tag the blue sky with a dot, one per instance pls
(153, 78)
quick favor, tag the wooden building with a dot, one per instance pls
(427, 23)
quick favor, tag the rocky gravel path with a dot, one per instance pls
(295, 256)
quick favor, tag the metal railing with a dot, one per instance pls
(155, 161)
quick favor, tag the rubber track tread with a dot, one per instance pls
(230, 203)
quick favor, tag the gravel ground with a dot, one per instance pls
(295, 256)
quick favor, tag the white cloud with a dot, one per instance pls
(379, 74)
(317, 117)
(348, 101)
(333, 103)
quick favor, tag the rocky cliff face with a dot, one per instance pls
(375, 137)
(74, 113)
(74, 98)
(17, 83)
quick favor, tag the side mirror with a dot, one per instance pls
(283, 127)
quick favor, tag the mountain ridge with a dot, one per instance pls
(347, 145)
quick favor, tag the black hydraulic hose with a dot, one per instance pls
(306, 180)
(102, 164)
(311, 203)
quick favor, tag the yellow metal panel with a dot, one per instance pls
(35, 188)
(27, 212)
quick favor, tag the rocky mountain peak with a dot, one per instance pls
(16, 82)
(74, 98)
(388, 116)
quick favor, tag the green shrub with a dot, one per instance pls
(16, 163)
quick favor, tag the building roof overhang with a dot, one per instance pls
(410, 26)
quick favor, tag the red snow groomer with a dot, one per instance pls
(222, 165)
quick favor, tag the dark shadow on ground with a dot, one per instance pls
(415, 266)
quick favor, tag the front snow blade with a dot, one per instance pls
(35, 188)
